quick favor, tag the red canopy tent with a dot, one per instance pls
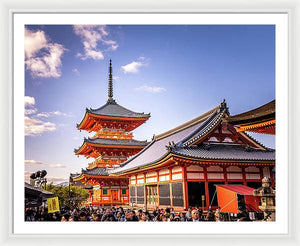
(231, 197)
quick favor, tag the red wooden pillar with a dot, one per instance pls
(244, 175)
(145, 192)
(170, 187)
(206, 188)
(157, 181)
(225, 175)
(185, 188)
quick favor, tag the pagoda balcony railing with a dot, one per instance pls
(112, 130)
(107, 162)
(113, 135)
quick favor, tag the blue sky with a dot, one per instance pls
(174, 72)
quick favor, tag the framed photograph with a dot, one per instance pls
(163, 117)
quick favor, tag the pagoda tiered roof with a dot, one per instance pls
(96, 144)
(112, 109)
(89, 176)
(187, 142)
(96, 171)
(112, 113)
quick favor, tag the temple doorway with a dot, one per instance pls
(196, 192)
(114, 195)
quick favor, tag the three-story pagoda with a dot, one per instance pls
(111, 145)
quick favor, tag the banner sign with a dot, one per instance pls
(53, 205)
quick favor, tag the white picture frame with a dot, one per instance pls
(7, 157)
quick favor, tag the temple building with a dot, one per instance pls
(181, 167)
(259, 120)
(111, 145)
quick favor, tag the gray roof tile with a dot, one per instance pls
(111, 108)
(107, 141)
(98, 171)
(156, 149)
(226, 152)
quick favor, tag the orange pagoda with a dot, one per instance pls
(111, 145)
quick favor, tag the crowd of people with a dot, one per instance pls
(125, 215)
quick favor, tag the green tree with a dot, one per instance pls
(68, 197)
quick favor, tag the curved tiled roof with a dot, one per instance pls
(265, 112)
(119, 142)
(226, 152)
(213, 120)
(97, 171)
(111, 108)
(116, 142)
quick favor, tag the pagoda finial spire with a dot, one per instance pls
(110, 84)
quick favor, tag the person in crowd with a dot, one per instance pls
(128, 214)
(139, 214)
(218, 214)
(195, 215)
(120, 216)
(172, 211)
(176, 218)
(200, 213)
(171, 217)
(167, 212)
(65, 217)
(144, 217)
(164, 218)
(82, 216)
(210, 216)
(182, 216)
(188, 214)
(107, 216)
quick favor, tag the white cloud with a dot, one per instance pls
(30, 111)
(42, 58)
(91, 36)
(152, 89)
(34, 127)
(34, 42)
(32, 162)
(57, 166)
(29, 101)
(132, 67)
(53, 113)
